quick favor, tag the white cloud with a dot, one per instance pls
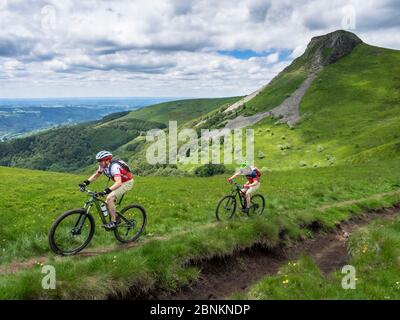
(273, 58)
(167, 47)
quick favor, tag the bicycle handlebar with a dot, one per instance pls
(92, 193)
(235, 183)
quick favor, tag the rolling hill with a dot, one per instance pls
(181, 111)
(71, 148)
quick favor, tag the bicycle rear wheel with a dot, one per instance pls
(71, 232)
(226, 208)
(131, 222)
(257, 205)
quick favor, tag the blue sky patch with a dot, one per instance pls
(247, 54)
(244, 54)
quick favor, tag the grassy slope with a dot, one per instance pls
(181, 110)
(181, 211)
(361, 100)
(375, 250)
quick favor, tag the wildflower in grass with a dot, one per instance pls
(285, 281)
(365, 249)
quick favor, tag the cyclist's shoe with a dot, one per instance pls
(245, 210)
(110, 226)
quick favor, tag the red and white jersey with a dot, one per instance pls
(251, 174)
(116, 170)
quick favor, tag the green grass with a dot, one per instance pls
(375, 251)
(180, 111)
(181, 224)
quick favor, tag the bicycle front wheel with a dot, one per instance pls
(131, 222)
(71, 232)
(226, 208)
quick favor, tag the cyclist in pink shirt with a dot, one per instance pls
(119, 172)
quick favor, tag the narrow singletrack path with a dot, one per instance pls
(221, 277)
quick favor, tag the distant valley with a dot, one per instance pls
(19, 117)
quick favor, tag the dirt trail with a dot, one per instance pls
(221, 277)
(17, 266)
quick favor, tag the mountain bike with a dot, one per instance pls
(227, 205)
(73, 230)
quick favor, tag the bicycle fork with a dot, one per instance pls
(76, 230)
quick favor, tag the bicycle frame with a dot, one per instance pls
(242, 196)
(96, 201)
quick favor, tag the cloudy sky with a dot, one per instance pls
(178, 48)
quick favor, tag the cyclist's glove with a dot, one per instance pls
(105, 192)
(84, 184)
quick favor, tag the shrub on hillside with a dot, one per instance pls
(303, 164)
(209, 170)
(285, 146)
(260, 155)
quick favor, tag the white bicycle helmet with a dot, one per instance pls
(103, 155)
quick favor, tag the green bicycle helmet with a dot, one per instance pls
(244, 164)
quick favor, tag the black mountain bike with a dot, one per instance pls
(227, 205)
(74, 229)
